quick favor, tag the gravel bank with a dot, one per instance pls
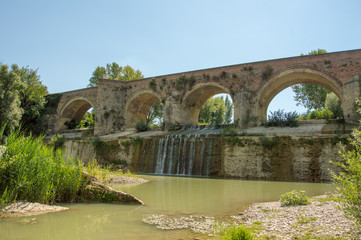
(321, 218)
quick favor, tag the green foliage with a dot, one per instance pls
(315, 52)
(348, 180)
(267, 72)
(102, 173)
(34, 172)
(114, 72)
(155, 115)
(137, 141)
(57, 141)
(87, 121)
(216, 111)
(236, 233)
(320, 114)
(22, 98)
(333, 104)
(10, 110)
(228, 114)
(267, 143)
(141, 125)
(294, 198)
(153, 84)
(280, 118)
(310, 96)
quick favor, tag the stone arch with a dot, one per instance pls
(74, 110)
(198, 95)
(289, 77)
(138, 106)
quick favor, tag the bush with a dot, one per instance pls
(280, 118)
(57, 141)
(349, 179)
(320, 114)
(35, 172)
(141, 125)
(294, 198)
(236, 233)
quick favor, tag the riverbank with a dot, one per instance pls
(322, 219)
(24, 208)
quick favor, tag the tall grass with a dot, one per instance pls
(32, 171)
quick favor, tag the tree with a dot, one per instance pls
(333, 104)
(155, 115)
(309, 95)
(228, 116)
(22, 97)
(213, 111)
(114, 72)
(32, 96)
(10, 110)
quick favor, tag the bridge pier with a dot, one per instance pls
(351, 91)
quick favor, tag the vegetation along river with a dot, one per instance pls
(172, 196)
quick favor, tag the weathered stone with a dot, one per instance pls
(118, 105)
(98, 192)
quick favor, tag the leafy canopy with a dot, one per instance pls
(309, 95)
(22, 97)
(114, 72)
(216, 111)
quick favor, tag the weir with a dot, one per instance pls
(190, 151)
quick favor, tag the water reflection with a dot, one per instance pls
(167, 195)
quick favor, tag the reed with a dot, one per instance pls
(35, 172)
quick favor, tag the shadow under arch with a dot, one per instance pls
(198, 95)
(74, 110)
(290, 77)
(138, 106)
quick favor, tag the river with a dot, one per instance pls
(173, 196)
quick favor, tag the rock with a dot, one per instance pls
(98, 192)
(20, 209)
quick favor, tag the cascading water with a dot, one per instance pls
(187, 152)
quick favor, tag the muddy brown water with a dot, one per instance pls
(174, 196)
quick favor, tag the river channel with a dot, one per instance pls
(172, 196)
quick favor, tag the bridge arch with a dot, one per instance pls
(198, 95)
(138, 106)
(290, 77)
(74, 110)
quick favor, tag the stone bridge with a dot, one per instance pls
(118, 105)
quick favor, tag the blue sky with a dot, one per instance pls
(66, 40)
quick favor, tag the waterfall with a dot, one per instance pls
(187, 152)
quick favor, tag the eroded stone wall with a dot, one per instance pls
(282, 158)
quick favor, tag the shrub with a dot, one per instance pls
(320, 114)
(349, 179)
(280, 118)
(294, 198)
(57, 141)
(236, 233)
(141, 125)
(33, 171)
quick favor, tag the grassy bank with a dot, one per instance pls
(36, 172)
